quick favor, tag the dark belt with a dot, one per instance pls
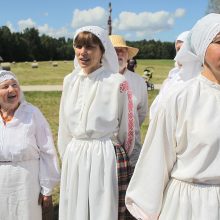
(6, 161)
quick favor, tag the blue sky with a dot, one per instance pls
(140, 19)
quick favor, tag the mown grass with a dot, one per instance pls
(160, 68)
(47, 74)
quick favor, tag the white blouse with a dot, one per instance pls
(96, 106)
(182, 142)
(28, 137)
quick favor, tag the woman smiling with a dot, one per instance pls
(28, 161)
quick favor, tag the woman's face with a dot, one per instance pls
(89, 57)
(9, 94)
(212, 60)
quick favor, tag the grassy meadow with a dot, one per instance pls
(48, 102)
(47, 74)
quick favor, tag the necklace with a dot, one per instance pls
(6, 118)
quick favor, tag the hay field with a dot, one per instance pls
(47, 74)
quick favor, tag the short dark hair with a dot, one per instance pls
(86, 38)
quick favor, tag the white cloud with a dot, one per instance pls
(56, 33)
(28, 23)
(43, 29)
(180, 12)
(146, 24)
(134, 26)
(94, 16)
(10, 26)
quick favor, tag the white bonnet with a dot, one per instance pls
(182, 36)
(191, 54)
(109, 59)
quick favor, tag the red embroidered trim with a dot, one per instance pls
(124, 87)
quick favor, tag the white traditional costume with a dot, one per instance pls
(96, 112)
(28, 162)
(177, 176)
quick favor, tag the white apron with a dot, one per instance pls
(20, 189)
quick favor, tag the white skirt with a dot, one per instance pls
(188, 201)
(19, 191)
(89, 186)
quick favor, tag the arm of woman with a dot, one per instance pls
(49, 174)
(145, 192)
(64, 136)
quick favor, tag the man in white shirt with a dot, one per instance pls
(138, 89)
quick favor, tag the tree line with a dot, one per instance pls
(29, 46)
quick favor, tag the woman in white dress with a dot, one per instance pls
(96, 126)
(28, 162)
(177, 176)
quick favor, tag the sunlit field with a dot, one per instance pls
(48, 102)
(47, 74)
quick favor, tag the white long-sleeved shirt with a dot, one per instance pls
(182, 142)
(28, 137)
(140, 101)
(96, 106)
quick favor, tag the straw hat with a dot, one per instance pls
(118, 41)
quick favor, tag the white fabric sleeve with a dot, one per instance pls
(49, 173)
(145, 192)
(126, 133)
(143, 105)
(64, 136)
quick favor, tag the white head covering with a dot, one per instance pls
(6, 75)
(191, 54)
(183, 36)
(109, 59)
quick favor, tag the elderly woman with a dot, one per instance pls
(177, 175)
(28, 161)
(96, 131)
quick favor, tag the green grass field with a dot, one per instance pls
(48, 102)
(47, 74)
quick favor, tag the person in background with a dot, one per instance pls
(96, 132)
(172, 78)
(139, 94)
(28, 161)
(138, 88)
(132, 64)
(177, 175)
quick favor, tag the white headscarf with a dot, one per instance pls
(191, 54)
(6, 75)
(183, 36)
(109, 59)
